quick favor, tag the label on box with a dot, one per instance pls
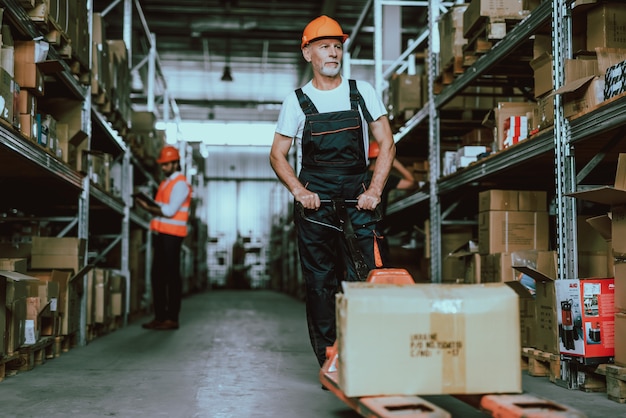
(29, 332)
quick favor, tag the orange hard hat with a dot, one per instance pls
(374, 150)
(168, 154)
(322, 27)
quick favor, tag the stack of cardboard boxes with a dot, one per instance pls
(40, 294)
(509, 221)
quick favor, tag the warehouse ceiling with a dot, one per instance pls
(196, 40)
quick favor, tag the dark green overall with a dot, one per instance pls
(334, 167)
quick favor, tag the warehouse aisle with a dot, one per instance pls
(237, 354)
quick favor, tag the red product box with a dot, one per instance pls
(586, 317)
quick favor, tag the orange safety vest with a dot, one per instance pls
(177, 224)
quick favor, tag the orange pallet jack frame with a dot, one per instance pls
(409, 406)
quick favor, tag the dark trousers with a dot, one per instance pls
(325, 258)
(166, 281)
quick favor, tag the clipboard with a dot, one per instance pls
(147, 199)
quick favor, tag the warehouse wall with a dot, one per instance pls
(242, 200)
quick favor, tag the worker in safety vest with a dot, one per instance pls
(169, 228)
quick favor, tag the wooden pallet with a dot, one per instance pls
(541, 363)
(585, 377)
(615, 381)
(67, 342)
(30, 356)
(450, 70)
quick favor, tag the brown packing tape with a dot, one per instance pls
(447, 342)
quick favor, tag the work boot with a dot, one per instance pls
(167, 325)
(152, 324)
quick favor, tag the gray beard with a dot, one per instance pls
(331, 72)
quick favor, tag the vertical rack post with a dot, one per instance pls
(434, 145)
(565, 175)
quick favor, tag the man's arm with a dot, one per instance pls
(407, 180)
(286, 174)
(381, 130)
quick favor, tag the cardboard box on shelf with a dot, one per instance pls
(57, 253)
(3, 314)
(70, 285)
(16, 293)
(581, 95)
(504, 111)
(615, 197)
(595, 256)
(511, 200)
(496, 199)
(478, 10)
(430, 349)
(509, 231)
(527, 314)
(620, 339)
(620, 287)
(7, 93)
(542, 70)
(14, 264)
(451, 34)
(605, 26)
(405, 92)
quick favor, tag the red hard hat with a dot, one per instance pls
(322, 27)
(168, 154)
(374, 150)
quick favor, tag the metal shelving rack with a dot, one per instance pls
(561, 141)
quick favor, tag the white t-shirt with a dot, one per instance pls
(291, 118)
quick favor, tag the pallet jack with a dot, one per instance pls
(497, 405)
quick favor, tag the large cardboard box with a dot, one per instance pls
(3, 315)
(605, 26)
(527, 317)
(443, 339)
(509, 231)
(595, 257)
(614, 196)
(495, 199)
(15, 302)
(71, 290)
(405, 93)
(545, 331)
(504, 111)
(451, 34)
(14, 264)
(57, 253)
(620, 338)
(620, 285)
(496, 268)
(512, 200)
(479, 9)
(581, 95)
(542, 71)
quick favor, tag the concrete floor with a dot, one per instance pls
(237, 354)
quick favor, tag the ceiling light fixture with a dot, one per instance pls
(227, 76)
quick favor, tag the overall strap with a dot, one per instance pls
(356, 99)
(305, 103)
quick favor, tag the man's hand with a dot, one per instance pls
(368, 200)
(307, 199)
